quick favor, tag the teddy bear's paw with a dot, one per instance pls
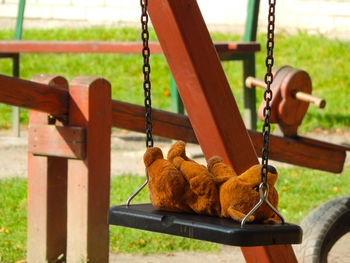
(238, 216)
(212, 161)
(177, 150)
(152, 154)
(273, 220)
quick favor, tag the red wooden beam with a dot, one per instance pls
(33, 46)
(298, 151)
(33, 95)
(201, 82)
(206, 94)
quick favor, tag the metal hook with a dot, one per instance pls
(264, 193)
(138, 190)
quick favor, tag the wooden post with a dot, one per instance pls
(206, 94)
(47, 195)
(89, 180)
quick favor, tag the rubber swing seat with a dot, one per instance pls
(207, 228)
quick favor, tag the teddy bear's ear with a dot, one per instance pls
(272, 175)
(152, 154)
(177, 149)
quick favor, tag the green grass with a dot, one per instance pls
(300, 190)
(327, 61)
(13, 219)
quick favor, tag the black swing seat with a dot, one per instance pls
(207, 228)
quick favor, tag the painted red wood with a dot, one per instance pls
(276, 253)
(34, 95)
(201, 82)
(34, 46)
(165, 124)
(304, 152)
(205, 91)
(299, 151)
(89, 180)
(51, 140)
(47, 196)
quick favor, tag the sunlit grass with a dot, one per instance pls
(327, 62)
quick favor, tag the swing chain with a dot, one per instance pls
(268, 92)
(146, 68)
(264, 187)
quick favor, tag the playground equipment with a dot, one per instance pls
(71, 145)
(201, 227)
(78, 152)
(242, 51)
(292, 90)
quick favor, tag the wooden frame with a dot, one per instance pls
(213, 113)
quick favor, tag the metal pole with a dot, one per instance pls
(16, 67)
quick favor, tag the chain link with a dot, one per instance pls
(268, 92)
(146, 68)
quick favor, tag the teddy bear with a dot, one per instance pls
(239, 194)
(180, 184)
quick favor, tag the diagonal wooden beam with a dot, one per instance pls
(201, 82)
(206, 94)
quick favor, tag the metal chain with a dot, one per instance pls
(146, 73)
(268, 92)
(146, 68)
(264, 187)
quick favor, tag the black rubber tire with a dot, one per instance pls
(322, 228)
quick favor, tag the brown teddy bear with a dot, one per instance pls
(239, 194)
(182, 185)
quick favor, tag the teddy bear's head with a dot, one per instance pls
(240, 194)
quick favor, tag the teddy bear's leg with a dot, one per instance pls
(177, 150)
(238, 216)
(166, 183)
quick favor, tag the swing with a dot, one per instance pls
(207, 228)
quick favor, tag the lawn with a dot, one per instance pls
(327, 61)
(300, 190)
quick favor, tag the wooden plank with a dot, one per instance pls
(89, 179)
(47, 199)
(304, 152)
(33, 95)
(267, 254)
(165, 124)
(201, 82)
(50, 140)
(34, 46)
(300, 151)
